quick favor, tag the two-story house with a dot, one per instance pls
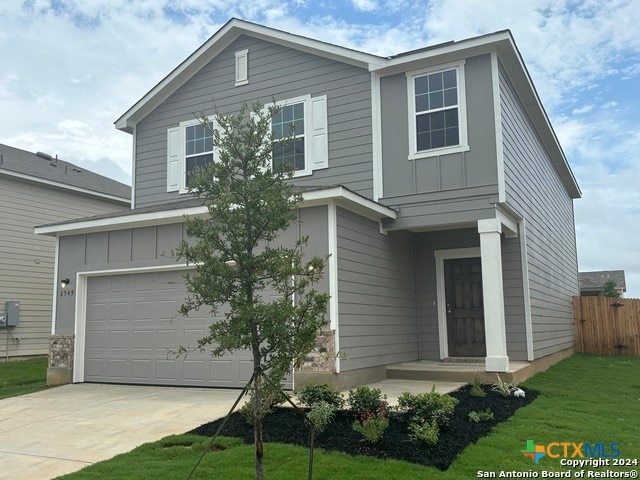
(432, 178)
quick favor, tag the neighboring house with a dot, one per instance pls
(432, 178)
(592, 283)
(37, 189)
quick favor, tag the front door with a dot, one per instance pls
(465, 309)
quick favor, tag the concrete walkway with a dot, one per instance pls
(61, 430)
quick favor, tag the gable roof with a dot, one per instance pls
(501, 42)
(42, 168)
(594, 281)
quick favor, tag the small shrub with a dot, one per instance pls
(481, 416)
(476, 388)
(372, 427)
(428, 432)
(320, 415)
(270, 398)
(365, 401)
(503, 388)
(427, 407)
(314, 393)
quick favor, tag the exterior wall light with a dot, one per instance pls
(64, 282)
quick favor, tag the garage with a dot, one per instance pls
(133, 328)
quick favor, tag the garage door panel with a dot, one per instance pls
(133, 329)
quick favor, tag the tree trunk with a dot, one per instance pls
(257, 415)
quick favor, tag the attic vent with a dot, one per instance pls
(46, 156)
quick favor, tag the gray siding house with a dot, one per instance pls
(432, 178)
(37, 189)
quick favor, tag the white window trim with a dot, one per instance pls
(242, 70)
(183, 156)
(308, 140)
(462, 111)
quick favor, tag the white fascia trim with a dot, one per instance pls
(508, 222)
(332, 229)
(497, 115)
(526, 290)
(126, 221)
(448, 49)
(54, 307)
(133, 168)
(64, 186)
(441, 299)
(218, 42)
(349, 200)
(343, 198)
(376, 127)
(81, 308)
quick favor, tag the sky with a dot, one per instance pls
(69, 69)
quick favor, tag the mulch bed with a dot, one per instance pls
(286, 425)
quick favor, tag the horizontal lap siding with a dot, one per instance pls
(377, 303)
(274, 71)
(152, 247)
(534, 189)
(27, 260)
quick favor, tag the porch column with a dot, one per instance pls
(493, 295)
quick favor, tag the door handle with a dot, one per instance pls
(449, 309)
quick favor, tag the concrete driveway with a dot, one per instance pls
(58, 431)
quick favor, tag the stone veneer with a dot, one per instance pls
(60, 359)
(323, 357)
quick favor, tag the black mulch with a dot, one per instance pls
(286, 425)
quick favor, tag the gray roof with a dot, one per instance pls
(44, 168)
(594, 281)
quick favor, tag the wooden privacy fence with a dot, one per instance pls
(607, 326)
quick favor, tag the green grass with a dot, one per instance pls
(24, 376)
(584, 399)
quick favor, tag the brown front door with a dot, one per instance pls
(465, 310)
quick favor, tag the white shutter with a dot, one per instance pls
(242, 66)
(174, 149)
(320, 149)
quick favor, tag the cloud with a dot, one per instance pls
(365, 5)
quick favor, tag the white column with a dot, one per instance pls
(493, 295)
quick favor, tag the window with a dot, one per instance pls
(438, 120)
(189, 147)
(305, 120)
(198, 149)
(289, 121)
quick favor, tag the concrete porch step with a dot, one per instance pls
(454, 370)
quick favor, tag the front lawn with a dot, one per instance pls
(22, 376)
(582, 399)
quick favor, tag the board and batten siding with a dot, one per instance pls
(377, 301)
(152, 246)
(426, 243)
(441, 189)
(534, 189)
(274, 72)
(27, 260)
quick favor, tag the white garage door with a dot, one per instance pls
(133, 326)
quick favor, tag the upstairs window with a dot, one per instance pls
(304, 119)
(438, 119)
(289, 121)
(198, 149)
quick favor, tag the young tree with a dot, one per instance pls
(609, 289)
(237, 258)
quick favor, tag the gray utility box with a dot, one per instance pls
(12, 313)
